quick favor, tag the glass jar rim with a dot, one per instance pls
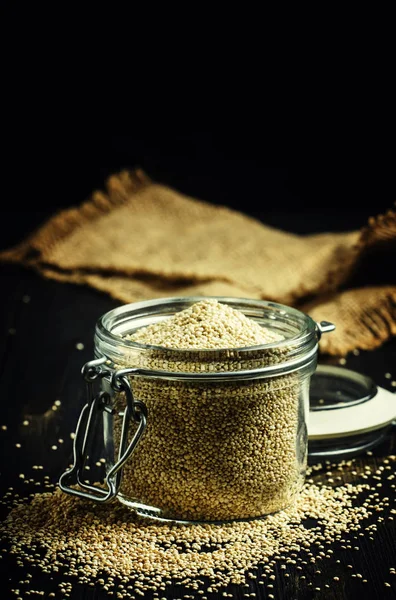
(307, 331)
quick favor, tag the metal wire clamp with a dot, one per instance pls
(98, 403)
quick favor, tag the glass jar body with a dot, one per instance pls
(223, 447)
(217, 451)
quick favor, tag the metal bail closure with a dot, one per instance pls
(134, 410)
(324, 327)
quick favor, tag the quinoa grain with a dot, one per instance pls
(110, 545)
(214, 451)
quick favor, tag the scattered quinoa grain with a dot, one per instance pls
(54, 531)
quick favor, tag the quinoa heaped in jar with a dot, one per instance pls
(215, 450)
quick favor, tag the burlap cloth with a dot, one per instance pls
(143, 240)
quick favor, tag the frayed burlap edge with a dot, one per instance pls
(365, 318)
(119, 186)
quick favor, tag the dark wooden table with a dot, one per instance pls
(47, 334)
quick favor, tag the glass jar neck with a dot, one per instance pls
(297, 349)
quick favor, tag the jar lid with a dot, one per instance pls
(348, 413)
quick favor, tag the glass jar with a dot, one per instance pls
(198, 435)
